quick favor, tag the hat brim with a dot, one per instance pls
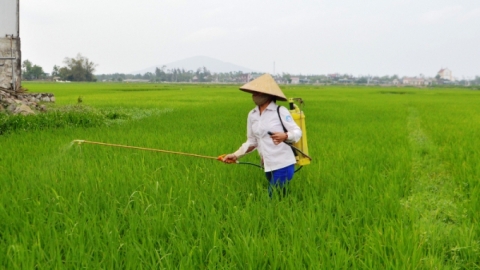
(264, 84)
(257, 92)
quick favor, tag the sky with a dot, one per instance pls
(374, 37)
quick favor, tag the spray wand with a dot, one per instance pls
(219, 158)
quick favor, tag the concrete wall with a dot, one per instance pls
(6, 47)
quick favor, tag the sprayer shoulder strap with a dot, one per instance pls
(285, 130)
(279, 117)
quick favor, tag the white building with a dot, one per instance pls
(446, 74)
(295, 80)
(415, 81)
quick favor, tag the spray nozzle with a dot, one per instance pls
(299, 100)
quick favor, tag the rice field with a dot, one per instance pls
(394, 183)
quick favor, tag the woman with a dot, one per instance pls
(266, 132)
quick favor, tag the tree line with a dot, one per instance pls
(162, 74)
(81, 68)
(78, 69)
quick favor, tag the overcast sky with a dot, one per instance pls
(374, 37)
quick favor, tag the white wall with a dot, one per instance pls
(8, 18)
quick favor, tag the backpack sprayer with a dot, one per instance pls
(300, 148)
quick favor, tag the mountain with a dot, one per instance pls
(193, 63)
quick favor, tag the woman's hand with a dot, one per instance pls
(278, 137)
(230, 158)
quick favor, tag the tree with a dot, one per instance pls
(286, 77)
(78, 69)
(32, 72)
(362, 80)
(27, 67)
(148, 76)
(55, 71)
(37, 72)
(203, 74)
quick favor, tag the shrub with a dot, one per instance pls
(68, 116)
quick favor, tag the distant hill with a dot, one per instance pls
(193, 63)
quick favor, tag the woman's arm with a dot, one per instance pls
(246, 147)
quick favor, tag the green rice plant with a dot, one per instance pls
(393, 184)
(70, 116)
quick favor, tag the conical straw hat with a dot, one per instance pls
(264, 84)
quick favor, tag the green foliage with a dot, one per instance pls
(77, 69)
(32, 72)
(68, 116)
(362, 81)
(55, 71)
(287, 77)
(201, 74)
(393, 184)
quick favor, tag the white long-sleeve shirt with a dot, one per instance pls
(274, 156)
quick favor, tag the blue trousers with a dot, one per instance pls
(280, 178)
